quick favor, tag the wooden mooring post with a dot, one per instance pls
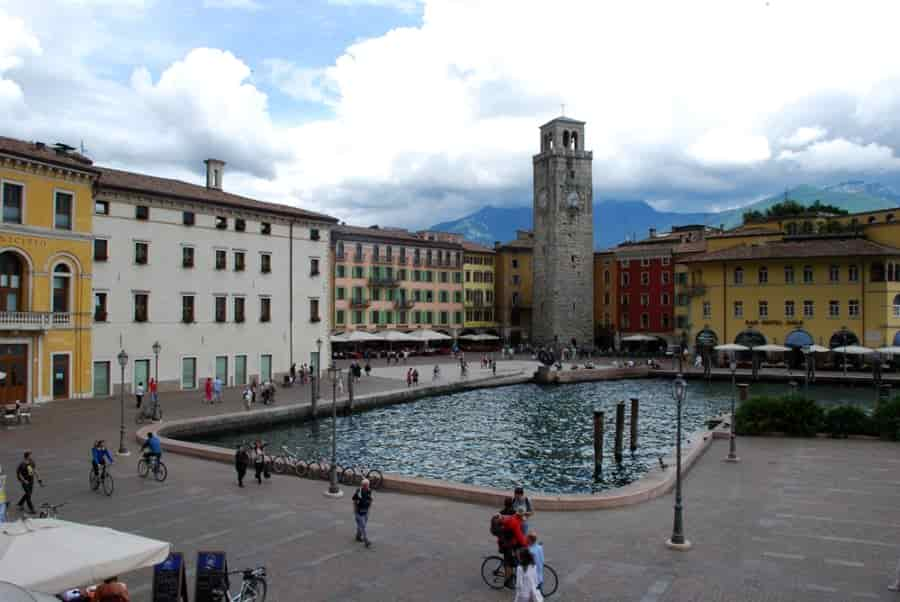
(620, 428)
(635, 404)
(598, 443)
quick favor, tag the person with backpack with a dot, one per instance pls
(506, 526)
(362, 502)
(241, 463)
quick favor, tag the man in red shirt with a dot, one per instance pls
(511, 540)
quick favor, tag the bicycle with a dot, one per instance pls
(324, 470)
(253, 587)
(289, 460)
(50, 510)
(353, 475)
(104, 478)
(160, 472)
(494, 576)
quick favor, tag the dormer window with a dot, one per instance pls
(240, 225)
(265, 228)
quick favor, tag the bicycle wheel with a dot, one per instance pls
(161, 472)
(551, 581)
(108, 484)
(94, 480)
(325, 472)
(143, 467)
(254, 591)
(300, 468)
(348, 476)
(279, 464)
(376, 479)
(492, 572)
(313, 470)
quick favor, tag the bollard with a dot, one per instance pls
(598, 443)
(620, 427)
(350, 391)
(312, 394)
(634, 423)
(743, 391)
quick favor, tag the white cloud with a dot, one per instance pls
(300, 83)
(403, 5)
(843, 155)
(726, 148)
(17, 43)
(803, 136)
(228, 4)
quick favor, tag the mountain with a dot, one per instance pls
(616, 221)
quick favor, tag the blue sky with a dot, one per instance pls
(411, 112)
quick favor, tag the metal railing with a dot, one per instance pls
(384, 281)
(34, 320)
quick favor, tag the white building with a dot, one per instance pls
(227, 285)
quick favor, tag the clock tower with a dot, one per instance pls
(563, 237)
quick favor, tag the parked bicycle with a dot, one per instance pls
(253, 587)
(104, 478)
(150, 412)
(160, 472)
(289, 461)
(50, 510)
(493, 574)
(322, 470)
(353, 475)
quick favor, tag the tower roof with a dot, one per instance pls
(563, 119)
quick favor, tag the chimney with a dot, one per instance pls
(652, 232)
(215, 170)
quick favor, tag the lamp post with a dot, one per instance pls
(123, 361)
(156, 350)
(333, 490)
(318, 368)
(732, 452)
(678, 541)
(806, 369)
(844, 342)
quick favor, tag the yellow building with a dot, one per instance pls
(46, 262)
(478, 288)
(514, 283)
(606, 278)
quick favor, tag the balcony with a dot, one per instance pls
(479, 303)
(388, 281)
(381, 259)
(33, 320)
(359, 303)
(404, 304)
(698, 290)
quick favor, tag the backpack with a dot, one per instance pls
(497, 527)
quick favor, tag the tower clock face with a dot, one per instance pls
(542, 199)
(572, 200)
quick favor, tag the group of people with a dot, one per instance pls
(266, 394)
(213, 390)
(256, 455)
(26, 474)
(412, 377)
(301, 376)
(518, 544)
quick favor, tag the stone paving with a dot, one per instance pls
(797, 519)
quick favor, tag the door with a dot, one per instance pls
(222, 369)
(101, 379)
(13, 373)
(189, 373)
(240, 369)
(60, 376)
(265, 368)
(141, 375)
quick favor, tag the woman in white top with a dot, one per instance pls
(527, 579)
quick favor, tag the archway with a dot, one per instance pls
(843, 337)
(706, 338)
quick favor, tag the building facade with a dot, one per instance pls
(563, 236)
(513, 287)
(45, 272)
(478, 288)
(606, 278)
(390, 278)
(228, 286)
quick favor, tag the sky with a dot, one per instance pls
(411, 112)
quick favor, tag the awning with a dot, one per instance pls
(843, 338)
(639, 338)
(707, 338)
(479, 337)
(798, 338)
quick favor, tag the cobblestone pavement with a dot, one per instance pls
(797, 519)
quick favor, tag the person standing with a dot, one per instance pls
(248, 398)
(415, 376)
(154, 394)
(208, 390)
(2, 496)
(537, 552)
(241, 463)
(217, 389)
(293, 372)
(527, 579)
(259, 460)
(362, 502)
(26, 473)
(139, 394)
(409, 377)
(522, 505)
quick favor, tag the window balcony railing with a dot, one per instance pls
(696, 290)
(404, 303)
(383, 260)
(34, 320)
(389, 281)
(357, 257)
(359, 303)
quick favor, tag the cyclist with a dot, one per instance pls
(153, 447)
(99, 456)
(511, 537)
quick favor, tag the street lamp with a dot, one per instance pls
(318, 368)
(156, 349)
(806, 353)
(677, 541)
(123, 361)
(732, 452)
(333, 490)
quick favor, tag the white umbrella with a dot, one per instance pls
(14, 593)
(394, 336)
(638, 338)
(52, 555)
(818, 349)
(853, 350)
(771, 348)
(429, 335)
(479, 337)
(360, 336)
(892, 350)
(731, 347)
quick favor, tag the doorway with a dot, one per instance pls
(141, 374)
(60, 376)
(13, 373)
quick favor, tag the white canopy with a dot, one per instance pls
(51, 555)
(731, 347)
(818, 349)
(395, 336)
(480, 337)
(356, 336)
(772, 348)
(14, 593)
(429, 335)
(892, 350)
(639, 338)
(853, 350)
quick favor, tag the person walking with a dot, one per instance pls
(241, 463)
(2, 496)
(217, 389)
(527, 579)
(259, 460)
(248, 398)
(409, 377)
(415, 376)
(208, 390)
(139, 394)
(154, 395)
(362, 502)
(368, 368)
(293, 372)
(26, 473)
(436, 374)
(537, 552)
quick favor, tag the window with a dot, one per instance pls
(221, 222)
(141, 253)
(645, 321)
(265, 263)
(188, 218)
(606, 276)
(239, 261)
(445, 276)
(187, 309)
(624, 299)
(645, 278)
(853, 308)
(265, 309)
(314, 234)
(339, 316)
(625, 263)
(239, 304)
(101, 207)
(265, 228)
(645, 262)
(141, 307)
(62, 216)
(834, 273)
(515, 264)
(738, 309)
(626, 322)
(666, 260)
(665, 321)
(515, 279)
(763, 309)
(808, 309)
(240, 225)
(606, 299)
(101, 249)
(444, 297)
(789, 274)
(99, 307)
(358, 271)
(853, 273)
(314, 267)
(187, 257)
(221, 308)
(142, 212)
(221, 259)
(789, 309)
(12, 202)
(626, 279)
(707, 309)
(341, 271)
(457, 296)
(763, 275)
(807, 274)
(645, 300)
(739, 275)
(188, 373)
(665, 277)
(357, 317)
(834, 309)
